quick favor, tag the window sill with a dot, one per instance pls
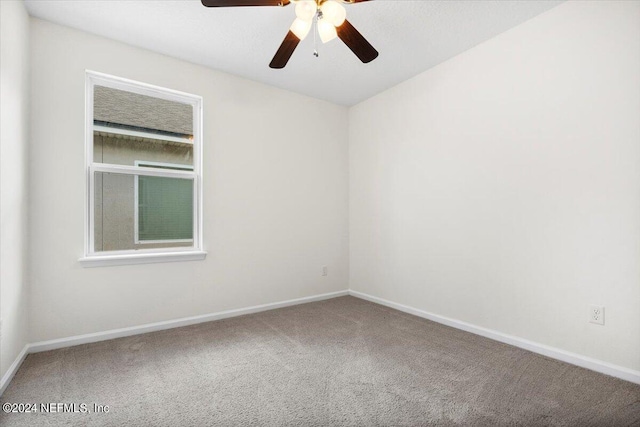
(131, 259)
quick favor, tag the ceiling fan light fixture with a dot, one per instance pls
(326, 30)
(329, 18)
(301, 28)
(306, 9)
(334, 12)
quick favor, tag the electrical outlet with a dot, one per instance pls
(596, 314)
(325, 270)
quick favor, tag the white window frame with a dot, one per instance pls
(136, 203)
(92, 258)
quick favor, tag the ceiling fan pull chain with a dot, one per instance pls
(315, 37)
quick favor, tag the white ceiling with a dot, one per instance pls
(411, 37)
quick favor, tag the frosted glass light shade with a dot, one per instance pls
(334, 12)
(306, 9)
(300, 28)
(327, 30)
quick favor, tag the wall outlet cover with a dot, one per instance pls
(596, 314)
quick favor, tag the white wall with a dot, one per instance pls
(275, 185)
(14, 97)
(502, 187)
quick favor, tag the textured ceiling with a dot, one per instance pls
(411, 37)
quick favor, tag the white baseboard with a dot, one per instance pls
(8, 376)
(170, 324)
(552, 352)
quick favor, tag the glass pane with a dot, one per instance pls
(165, 209)
(142, 212)
(129, 127)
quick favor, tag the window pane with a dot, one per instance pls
(130, 127)
(165, 209)
(141, 212)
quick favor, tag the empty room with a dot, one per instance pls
(319, 213)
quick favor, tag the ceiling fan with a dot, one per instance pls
(329, 17)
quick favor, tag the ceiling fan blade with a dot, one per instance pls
(235, 3)
(356, 42)
(285, 51)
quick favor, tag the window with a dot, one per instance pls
(144, 183)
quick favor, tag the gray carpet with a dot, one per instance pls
(338, 362)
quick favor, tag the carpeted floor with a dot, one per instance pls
(338, 362)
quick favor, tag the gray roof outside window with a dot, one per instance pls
(131, 109)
